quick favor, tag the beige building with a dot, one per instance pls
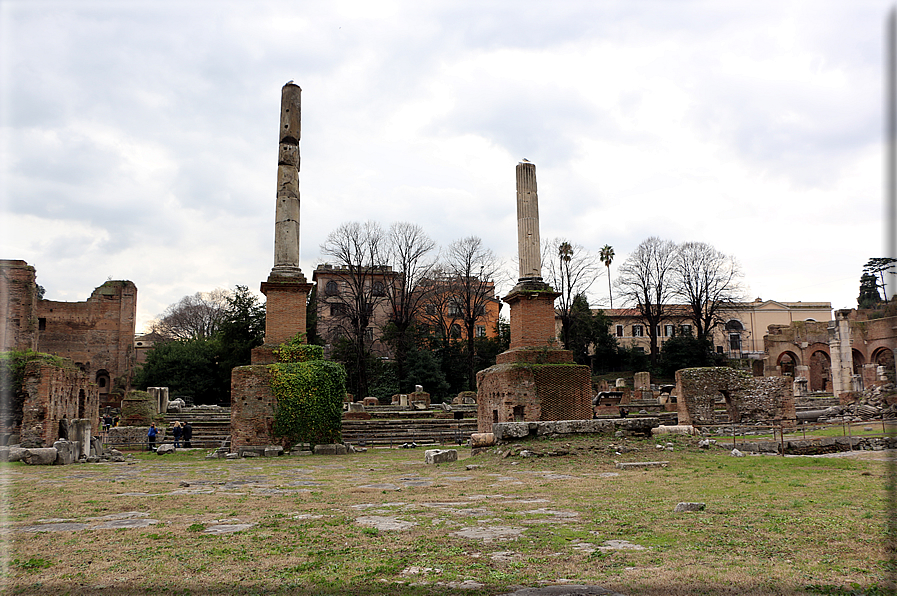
(740, 337)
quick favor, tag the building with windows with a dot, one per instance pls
(741, 336)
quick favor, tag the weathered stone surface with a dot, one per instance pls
(736, 453)
(685, 506)
(440, 456)
(680, 429)
(330, 449)
(273, 451)
(641, 464)
(40, 456)
(482, 440)
(65, 453)
(165, 449)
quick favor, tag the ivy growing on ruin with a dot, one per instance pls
(309, 394)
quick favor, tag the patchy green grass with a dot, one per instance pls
(772, 525)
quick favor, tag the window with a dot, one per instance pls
(668, 330)
(337, 310)
(378, 289)
(619, 331)
(657, 331)
(735, 342)
(454, 310)
(734, 325)
(42, 324)
(685, 329)
(638, 331)
(331, 289)
(369, 334)
(455, 331)
(481, 331)
(431, 309)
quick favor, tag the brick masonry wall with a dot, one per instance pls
(18, 306)
(747, 398)
(54, 393)
(252, 407)
(97, 334)
(544, 392)
(532, 319)
(284, 310)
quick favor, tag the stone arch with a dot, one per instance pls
(884, 357)
(787, 362)
(859, 360)
(103, 380)
(820, 371)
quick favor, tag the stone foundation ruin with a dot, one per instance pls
(746, 398)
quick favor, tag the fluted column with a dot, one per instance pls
(528, 246)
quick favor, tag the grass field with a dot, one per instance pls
(383, 522)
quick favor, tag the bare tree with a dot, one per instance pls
(471, 269)
(408, 249)
(570, 270)
(646, 280)
(358, 252)
(709, 282)
(194, 317)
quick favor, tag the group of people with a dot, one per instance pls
(179, 430)
(108, 421)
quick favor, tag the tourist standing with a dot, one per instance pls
(188, 434)
(176, 432)
(151, 436)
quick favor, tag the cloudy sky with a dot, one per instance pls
(139, 139)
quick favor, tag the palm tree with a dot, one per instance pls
(607, 257)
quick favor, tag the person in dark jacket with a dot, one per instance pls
(151, 436)
(188, 434)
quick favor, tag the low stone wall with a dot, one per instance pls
(747, 398)
(252, 407)
(509, 431)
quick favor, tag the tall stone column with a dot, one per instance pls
(549, 386)
(531, 300)
(286, 289)
(529, 250)
(286, 222)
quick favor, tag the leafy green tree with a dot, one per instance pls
(187, 368)
(869, 296)
(422, 367)
(878, 266)
(687, 351)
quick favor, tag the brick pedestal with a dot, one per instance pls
(284, 308)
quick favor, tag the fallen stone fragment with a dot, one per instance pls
(641, 464)
(227, 528)
(40, 456)
(440, 456)
(564, 590)
(482, 440)
(680, 507)
(330, 449)
(165, 449)
(736, 453)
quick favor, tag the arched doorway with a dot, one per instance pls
(103, 381)
(786, 363)
(858, 362)
(820, 371)
(884, 357)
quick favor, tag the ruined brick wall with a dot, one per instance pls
(98, 335)
(55, 393)
(252, 407)
(18, 306)
(520, 392)
(746, 398)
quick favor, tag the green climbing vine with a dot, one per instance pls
(309, 394)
